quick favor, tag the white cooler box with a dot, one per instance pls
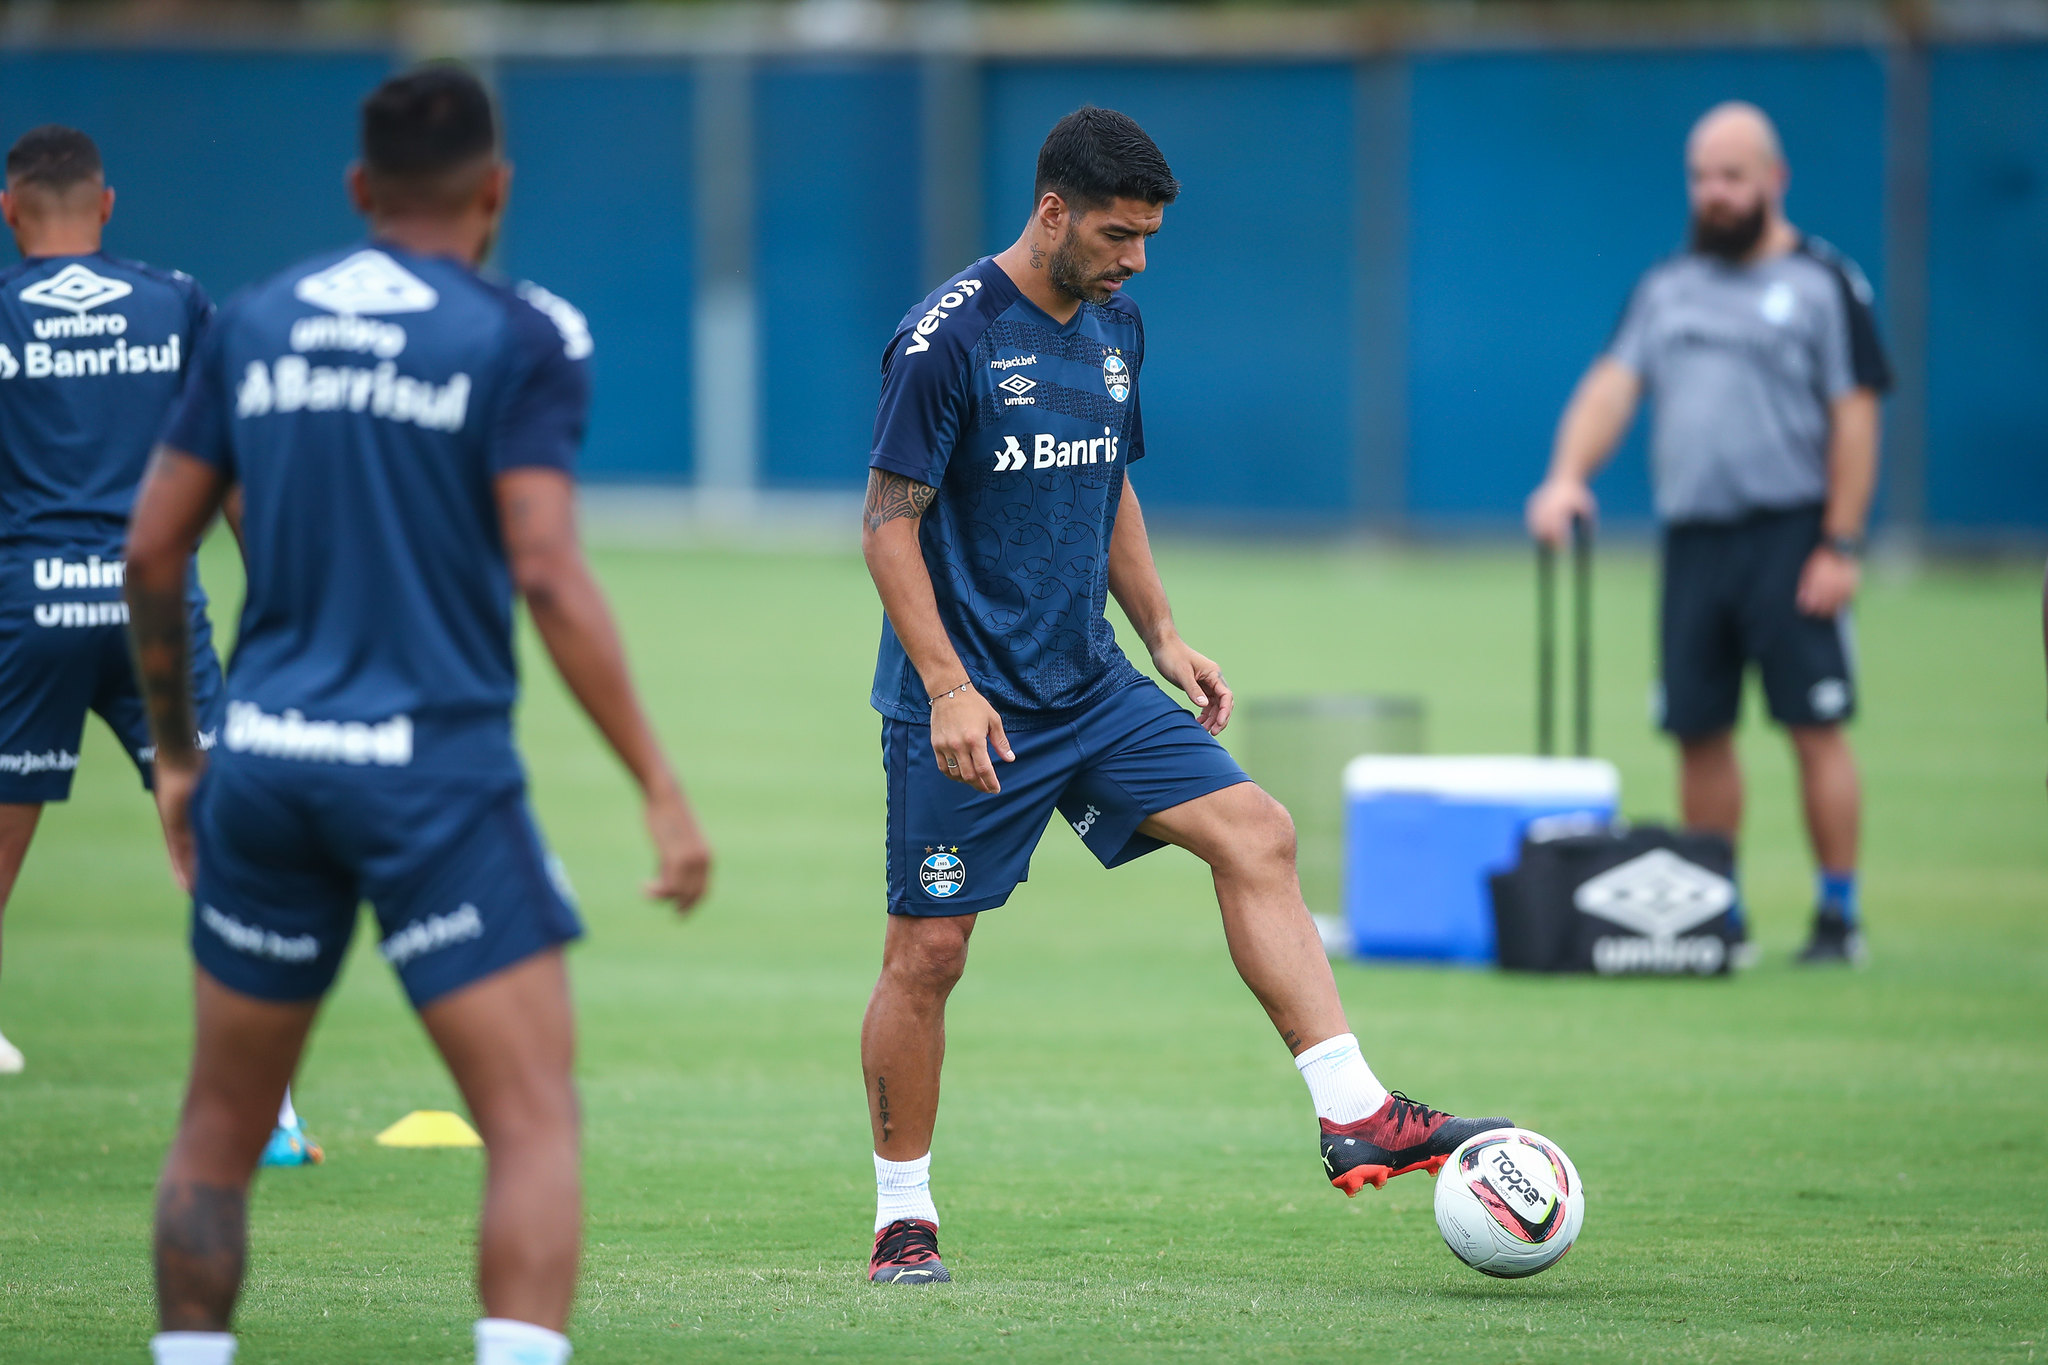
(1422, 835)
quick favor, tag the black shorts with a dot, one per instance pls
(1730, 599)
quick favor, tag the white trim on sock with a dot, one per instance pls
(287, 1117)
(1339, 1082)
(903, 1189)
(508, 1341)
(192, 1348)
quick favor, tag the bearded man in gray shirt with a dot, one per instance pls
(1759, 353)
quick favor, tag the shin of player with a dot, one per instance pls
(1000, 515)
(367, 752)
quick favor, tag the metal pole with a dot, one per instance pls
(1546, 645)
(726, 361)
(1582, 637)
(1906, 163)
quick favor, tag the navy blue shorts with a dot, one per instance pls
(64, 652)
(1730, 598)
(954, 849)
(454, 868)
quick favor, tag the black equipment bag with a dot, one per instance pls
(1588, 898)
(1641, 901)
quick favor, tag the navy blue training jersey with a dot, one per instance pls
(1024, 425)
(366, 401)
(93, 352)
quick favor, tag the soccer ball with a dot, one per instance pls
(1509, 1203)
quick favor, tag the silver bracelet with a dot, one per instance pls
(967, 686)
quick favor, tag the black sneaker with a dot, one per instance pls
(1835, 943)
(907, 1252)
(1399, 1137)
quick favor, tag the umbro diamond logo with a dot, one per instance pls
(1018, 384)
(367, 282)
(76, 289)
(1658, 894)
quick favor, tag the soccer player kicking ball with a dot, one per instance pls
(999, 515)
(402, 431)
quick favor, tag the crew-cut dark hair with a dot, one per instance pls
(1095, 155)
(421, 124)
(53, 156)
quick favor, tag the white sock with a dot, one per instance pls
(192, 1348)
(507, 1341)
(903, 1189)
(1341, 1084)
(287, 1117)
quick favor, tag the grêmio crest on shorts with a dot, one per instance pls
(1024, 425)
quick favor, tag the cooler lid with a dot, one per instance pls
(1473, 777)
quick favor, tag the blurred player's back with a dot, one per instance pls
(376, 395)
(92, 351)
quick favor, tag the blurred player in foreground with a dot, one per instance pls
(1760, 352)
(93, 351)
(1000, 514)
(403, 432)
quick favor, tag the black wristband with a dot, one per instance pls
(1848, 547)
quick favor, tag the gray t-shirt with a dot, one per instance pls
(1741, 363)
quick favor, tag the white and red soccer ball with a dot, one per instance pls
(1509, 1203)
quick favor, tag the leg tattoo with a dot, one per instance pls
(202, 1240)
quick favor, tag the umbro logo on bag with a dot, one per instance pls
(76, 290)
(1659, 894)
(367, 282)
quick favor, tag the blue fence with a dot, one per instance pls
(1371, 301)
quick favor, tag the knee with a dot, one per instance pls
(1818, 741)
(1718, 747)
(538, 1111)
(1261, 835)
(930, 965)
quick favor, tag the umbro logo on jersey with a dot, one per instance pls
(1047, 453)
(367, 282)
(929, 323)
(1018, 387)
(77, 290)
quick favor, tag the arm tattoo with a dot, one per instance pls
(891, 496)
(202, 1240)
(160, 638)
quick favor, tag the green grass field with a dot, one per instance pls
(1843, 1167)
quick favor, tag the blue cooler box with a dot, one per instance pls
(1422, 835)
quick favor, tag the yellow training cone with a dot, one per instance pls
(430, 1128)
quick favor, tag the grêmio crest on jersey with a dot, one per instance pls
(1116, 375)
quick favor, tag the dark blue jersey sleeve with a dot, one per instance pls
(199, 423)
(546, 406)
(1134, 449)
(923, 405)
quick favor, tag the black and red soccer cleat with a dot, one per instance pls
(1398, 1137)
(907, 1252)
